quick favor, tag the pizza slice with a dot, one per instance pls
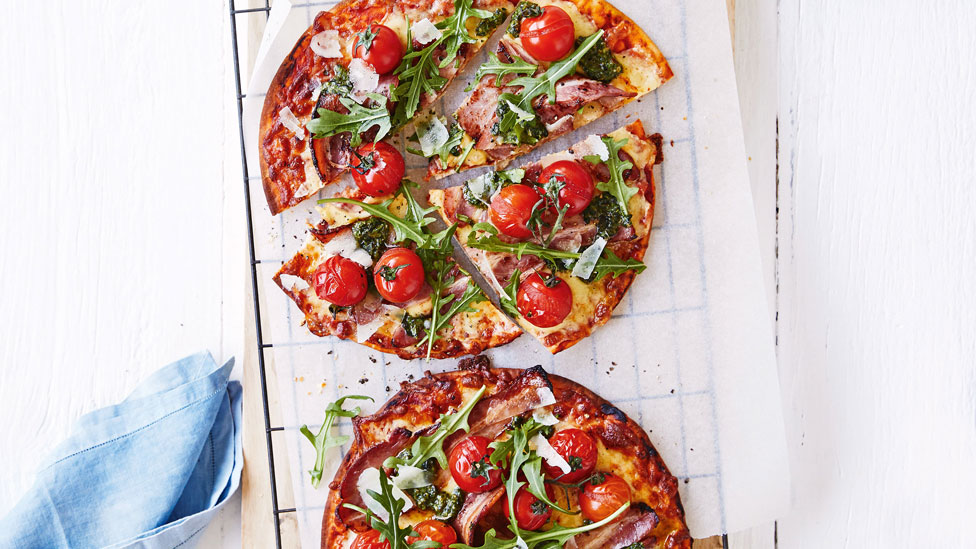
(559, 65)
(372, 272)
(498, 458)
(359, 73)
(561, 239)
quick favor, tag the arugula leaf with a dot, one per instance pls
(545, 83)
(323, 440)
(557, 536)
(409, 227)
(472, 294)
(537, 484)
(455, 30)
(390, 528)
(359, 120)
(484, 237)
(500, 69)
(507, 299)
(419, 73)
(616, 186)
(609, 263)
(432, 446)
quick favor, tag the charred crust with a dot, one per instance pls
(611, 410)
(658, 141)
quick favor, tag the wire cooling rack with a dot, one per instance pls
(262, 345)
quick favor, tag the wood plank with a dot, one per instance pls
(877, 260)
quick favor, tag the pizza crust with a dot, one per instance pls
(625, 449)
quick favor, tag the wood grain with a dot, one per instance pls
(877, 259)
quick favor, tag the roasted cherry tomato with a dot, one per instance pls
(511, 209)
(550, 36)
(472, 470)
(380, 47)
(370, 539)
(434, 530)
(544, 304)
(340, 281)
(531, 513)
(377, 168)
(399, 275)
(578, 449)
(577, 184)
(599, 501)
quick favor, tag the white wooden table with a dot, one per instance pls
(123, 244)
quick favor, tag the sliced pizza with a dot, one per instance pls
(361, 71)
(497, 458)
(559, 65)
(561, 239)
(372, 272)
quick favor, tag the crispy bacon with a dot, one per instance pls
(469, 522)
(477, 114)
(348, 487)
(633, 526)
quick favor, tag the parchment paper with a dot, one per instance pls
(688, 352)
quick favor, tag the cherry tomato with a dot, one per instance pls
(399, 275)
(471, 468)
(377, 168)
(542, 305)
(599, 501)
(550, 36)
(380, 47)
(434, 530)
(531, 513)
(578, 449)
(511, 209)
(370, 539)
(340, 281)
(577, 184)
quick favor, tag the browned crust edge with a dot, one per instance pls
(475, 372)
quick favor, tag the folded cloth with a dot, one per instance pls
(149, 472)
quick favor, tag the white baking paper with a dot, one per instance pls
(689, 351)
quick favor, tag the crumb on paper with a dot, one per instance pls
(372, 359)
(363, 381)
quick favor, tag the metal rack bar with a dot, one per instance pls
(268, 429)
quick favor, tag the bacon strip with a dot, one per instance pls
(635, 525)
(374, 457)
(474, 509)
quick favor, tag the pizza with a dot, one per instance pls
(373, 272)
(560, 64)
(363, 70)
(561, 240)
(499, 458)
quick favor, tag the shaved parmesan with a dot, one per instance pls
(369, 479)
(389, 313)
(548, 453)
(544, 417)
(409, 477)
(364, 78)
(424, 32)
(432, 135)
(290, 121)
(523, 115)
(292, 282)
(326, 44)
(345, 244)
(555, 157)
(594, 145)
(587, 260)
(546, 397)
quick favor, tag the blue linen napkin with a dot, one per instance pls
(148, 473)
